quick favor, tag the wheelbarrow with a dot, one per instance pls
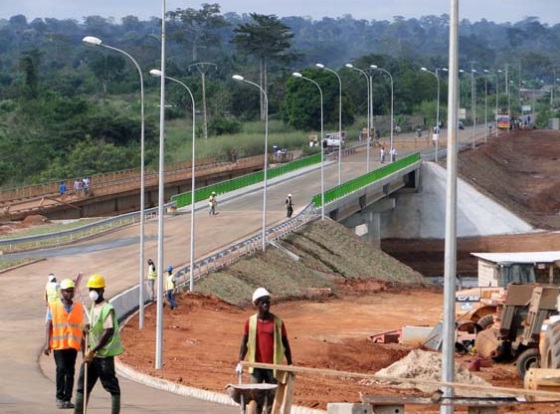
(261, 394)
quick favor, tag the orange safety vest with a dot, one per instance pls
(66, 327)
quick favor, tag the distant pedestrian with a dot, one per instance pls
(86, 184)
(52, 290)
(289, 206)
(170, 287)
(393, 153)
(382, 154)
(152, 277)
(78, 185)
(212, 204)
(65, 321)
(234, 155)
(62, 188)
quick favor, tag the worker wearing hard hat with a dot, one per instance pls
(170, 287)
(152, 277)
(264, 339)
(65, 319)
(104, 343)
(52, 289)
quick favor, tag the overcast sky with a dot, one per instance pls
(500, 11)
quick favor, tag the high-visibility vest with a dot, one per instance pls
(152, 274)
(278, 353)
(53, 292)
(66, 326)
(170, 282)
(114, 346)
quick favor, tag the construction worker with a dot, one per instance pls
(52, 290)
(212, 203)
(265, 339)
(289, 206)
(170, 287)
(152, 276)
(65, 321)
(103, 344)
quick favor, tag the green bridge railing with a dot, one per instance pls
(364, 180)
(203, 193)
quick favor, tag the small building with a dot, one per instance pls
(499, 269)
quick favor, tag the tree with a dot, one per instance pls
(199, 27)
(266, 38)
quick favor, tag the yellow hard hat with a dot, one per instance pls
(96, 282)
(67, 284)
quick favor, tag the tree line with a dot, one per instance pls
(67, 109)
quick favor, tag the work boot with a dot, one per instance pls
(79, 403)
(115, 404)
(59, 404)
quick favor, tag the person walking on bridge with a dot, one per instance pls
(289, 206)
(65, 322)
(212, 203)
(104, 343)
(265, 339)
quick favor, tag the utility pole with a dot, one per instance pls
(203, 68)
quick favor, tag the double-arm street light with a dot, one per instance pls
(375, 67)
(157, 73)
(436, 138)
(240, 78)
(363, 72)
(300, 76)
(321, 66)
(94, 41)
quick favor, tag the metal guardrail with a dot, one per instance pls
(216, 261)
(362, 181)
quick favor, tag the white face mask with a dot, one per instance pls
(93, 295)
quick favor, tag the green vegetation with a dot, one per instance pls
(330, 256)
(69, 110)
(54, 227)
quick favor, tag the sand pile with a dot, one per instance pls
(424, 365)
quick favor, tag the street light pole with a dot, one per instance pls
(320, 65)
(161, 189)
(473, 106)
(157, 73)
(350, 66)
(392, 101)
(486, 106)
(202, 69)
(300, 76)
(240, 78)
(94, 41)
(436, 74)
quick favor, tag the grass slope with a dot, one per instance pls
(329, 254)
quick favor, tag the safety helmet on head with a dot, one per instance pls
(52, 277)
(96, 282)
(289, 195)
(213, 193)
(260, 293)
(67, 284)
(169, 268)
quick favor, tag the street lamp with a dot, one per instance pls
(496, 110)
(473, 106)
(392, 101)
(240, 78)
(158, 73)
(436, 74)
(321, 66)
(300, 76)
(350, 66)
(161, 189)
(94, 41)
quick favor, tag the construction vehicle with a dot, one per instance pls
(515, 334)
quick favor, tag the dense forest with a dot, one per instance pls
(68, 109)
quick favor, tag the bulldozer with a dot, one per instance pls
(515, 334)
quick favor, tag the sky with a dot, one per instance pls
(499, 11)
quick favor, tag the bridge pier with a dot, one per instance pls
(367, 223)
